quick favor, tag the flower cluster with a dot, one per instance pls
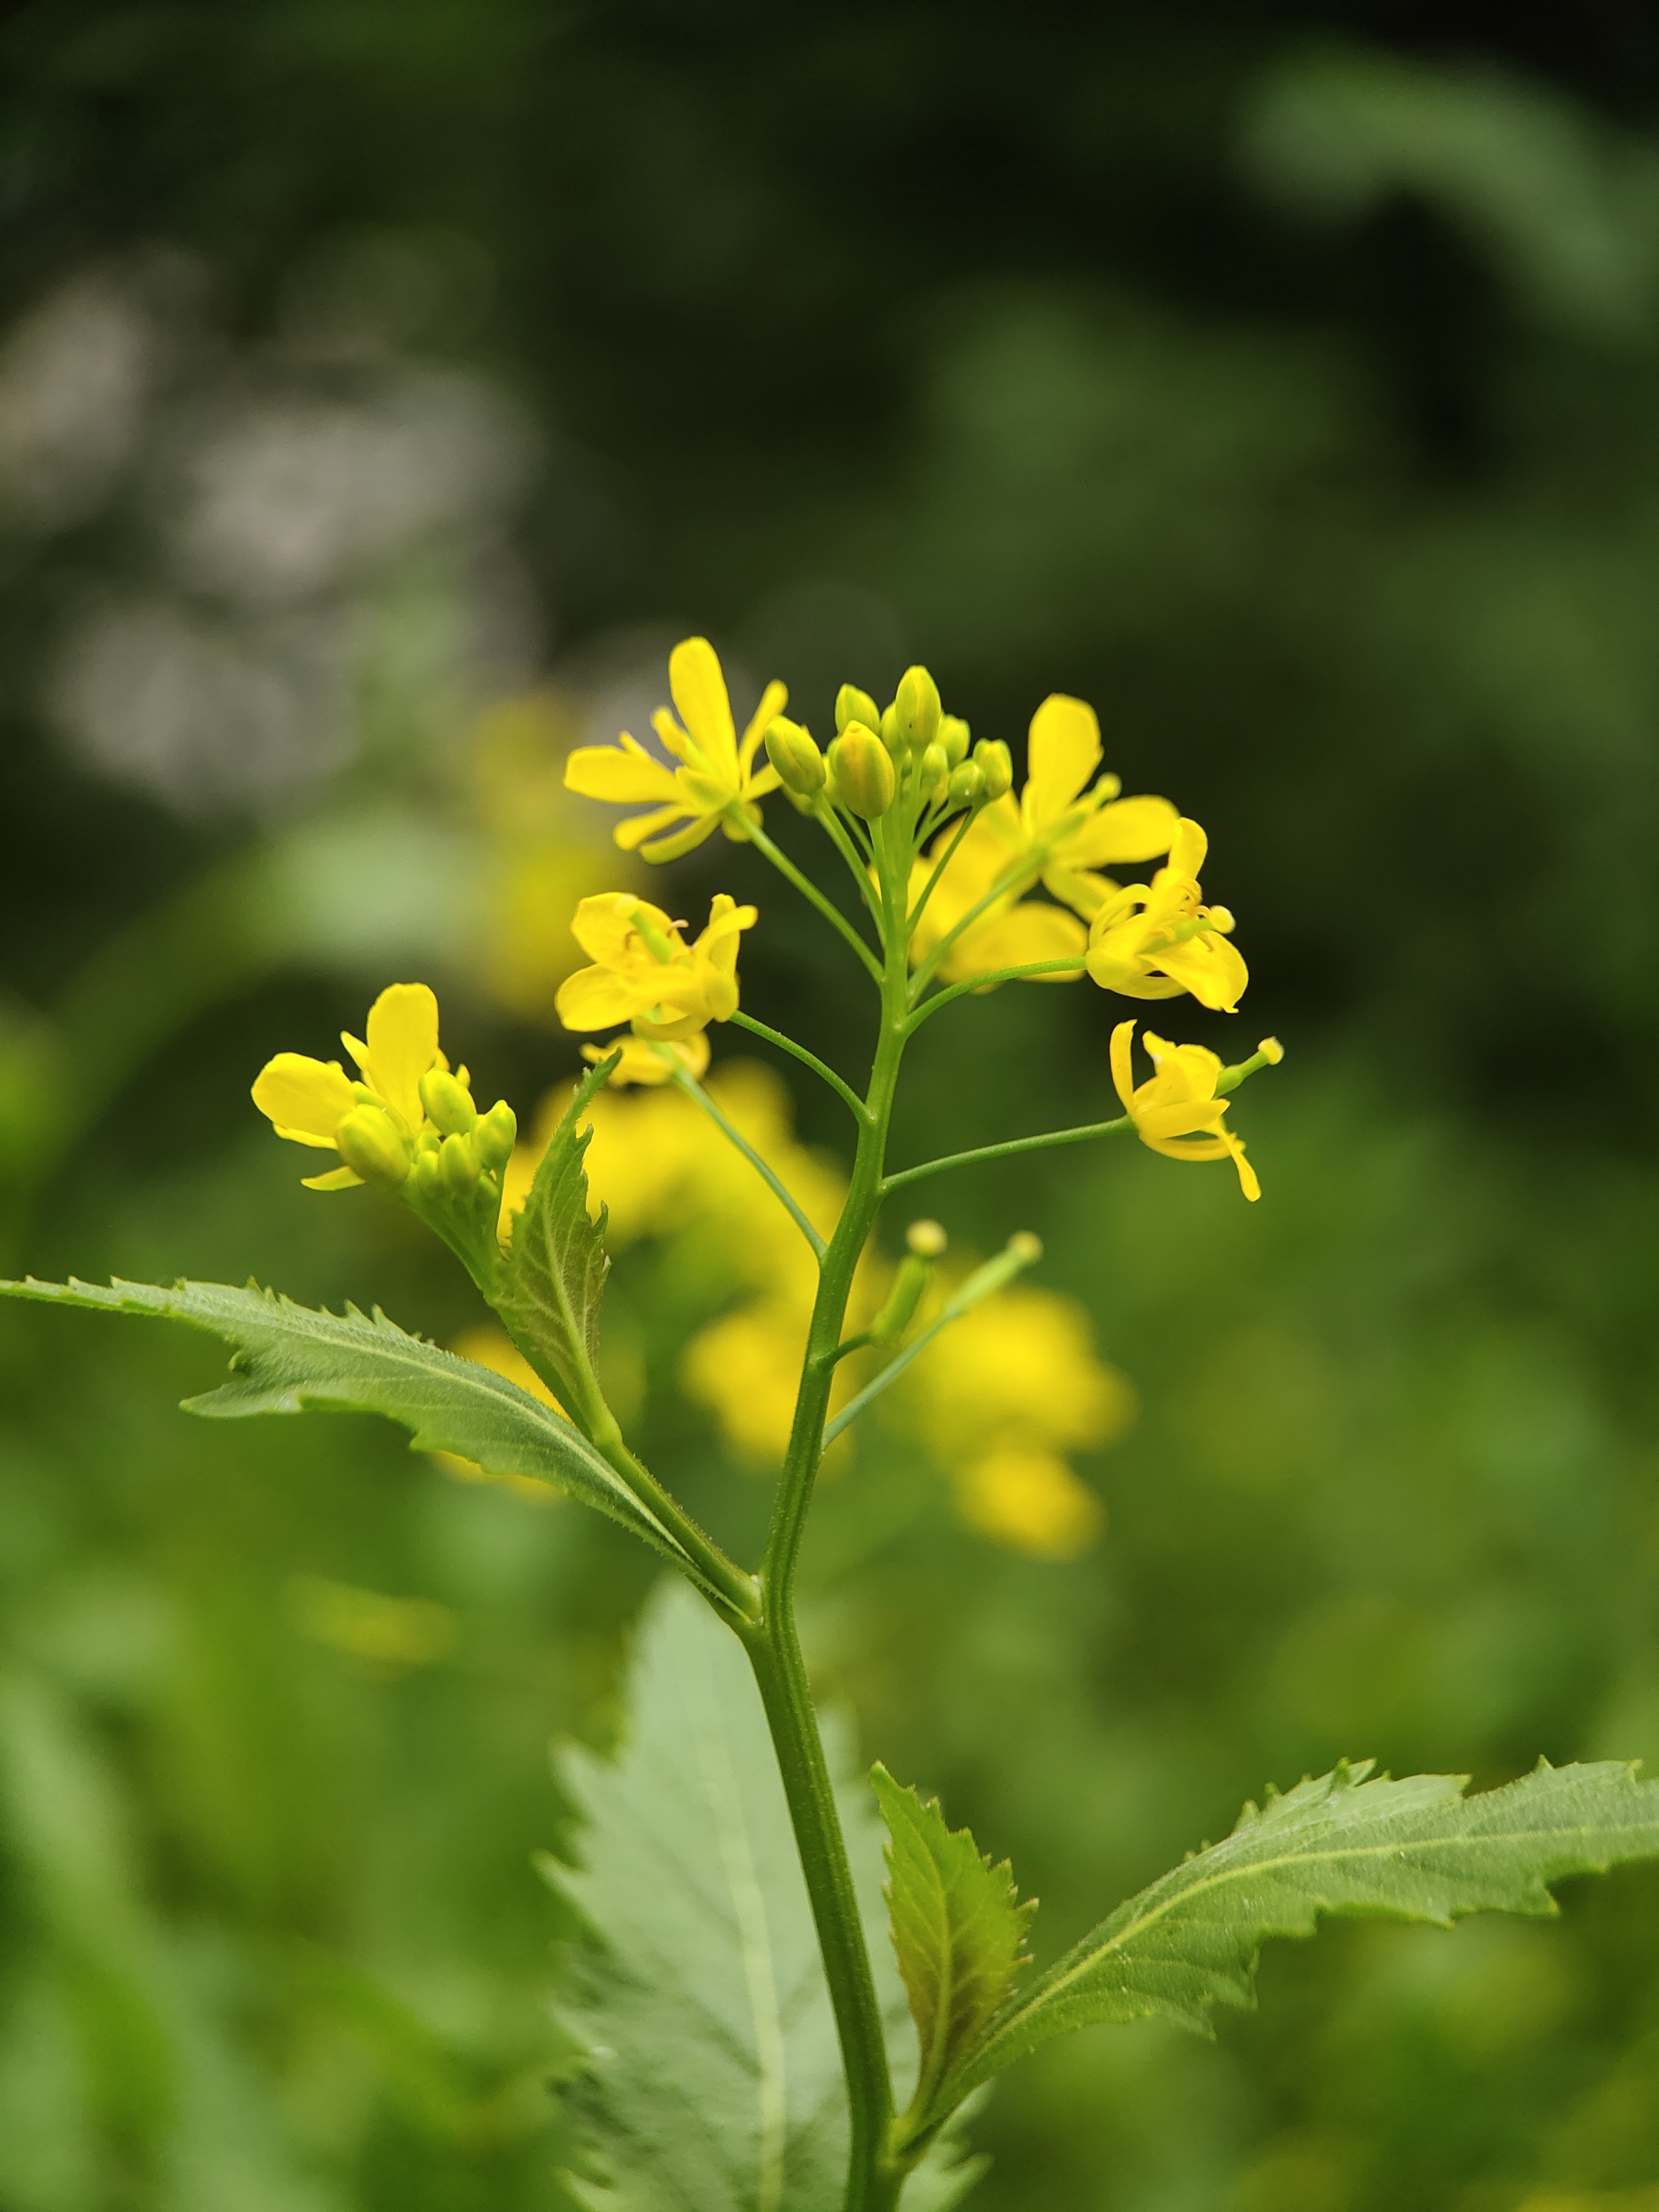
(644, 972)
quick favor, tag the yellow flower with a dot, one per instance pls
(1178, 1113)
(651, 1061)
(716, 782)
(1151, 942)
(1018, 1368)
(308, 1100)
(644, 972)
(1058, 832)
(1031, 1502)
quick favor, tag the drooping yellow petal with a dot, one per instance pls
(644, 1060)
(307, 1099)
(402, 1046)
(1065, 752)
(700, 694)
(1211, 967)
(774, 699)
(683, 840)
(1187, 849)
(335, 1179)
(596, 998)
(1123, 1077)
(1126, 830)
(624, 771)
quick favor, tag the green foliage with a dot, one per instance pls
(1416, 1850)
(553, 1275)
(289, 1358)
(714, 2075)
(957, 1926)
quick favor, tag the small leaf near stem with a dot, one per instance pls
(688, 1083)
(1123, 1127)
(1022, 1250)
(844, 1091)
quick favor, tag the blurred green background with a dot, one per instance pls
(383, 389)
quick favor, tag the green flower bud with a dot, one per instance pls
(996, 765)
(861, 772)
(458, 1166)
(935, 769)
(423, 1176)
(797, 761)
(495, 1135)
(952, 733)
(967, 786)
(369, 1143)
(915, 709)
(446, 1102)
(889, 731)
(927, 1239)
(853, 705)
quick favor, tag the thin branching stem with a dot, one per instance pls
(1070, 964)
(769, 1174)
(1122, 1127)
(844, 1091)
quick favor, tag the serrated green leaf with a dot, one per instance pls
(288, 1358)
(715, 2072)
(1415, 1850)
(553, 1272)
(958, 1928)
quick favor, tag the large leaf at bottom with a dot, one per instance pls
(714, 2078)
(1415, 1850)
(288, 1358)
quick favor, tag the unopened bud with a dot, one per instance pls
(853, 705)
(967, 786)
(927, 1239)
(423, 1177)
(796, 759)
(913, 1275)
(935, 769)
(996, 764)
(458, 1166)
(915, 709)
(952, 733)
(1025, 1247)
(369, 1145)
(1271, 1050)
(447, 1103)
(861, 772)
(495, 1135)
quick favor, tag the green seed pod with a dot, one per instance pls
(495, 1135)
(448, 1104)
(458, 1166)
(369, 1145)
(861, 772)
(796, 759)
(853, 705)
(967, 786)
(996, 765)
(953, 734)
(915, 709)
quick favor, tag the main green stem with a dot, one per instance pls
(874, 2179)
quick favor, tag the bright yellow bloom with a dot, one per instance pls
(717, 781)
(306, 1100)
(1031, 1502)
(1154, 941)
(1058, 832)
(1018, 1368)
(644, 972)
(1178, 1113)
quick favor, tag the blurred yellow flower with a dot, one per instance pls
(644, 972)
(1030, 1501)
(1176, 1111)
(309, 1102)
(1152, 942)
(716, 782)
(745, 1368)
(1058, 832)
(650, 1060)
(384, 1635)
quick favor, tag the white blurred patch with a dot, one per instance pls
(74, 377)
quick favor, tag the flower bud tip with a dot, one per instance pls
(926, 1239)
(1025, 1247)
(1271, 1050)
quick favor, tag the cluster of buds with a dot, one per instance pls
(910, 750)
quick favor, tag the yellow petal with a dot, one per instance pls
(596, 998)
(402, 1045)
(335, 1179)
(633, 833)
(1123, 1080)
(1181, 1117)
(699, 689)
(1023, 934)
(607, 927)
(1127, 829)
(645, 1062)
(774, 699)
(1085, 892)
(683, 840)
(1211, 967)
(1187, 849)
(307, 1099)
(1065, 752)
(625, 772)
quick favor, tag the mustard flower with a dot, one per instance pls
(645, 973)
(716, 782)
(1177, 1112)
(1058, 832)
(311, 1102)
(1151, 942)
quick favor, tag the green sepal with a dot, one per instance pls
(290, 1359)
(1414, 1849)
(551, 1278)
(958, 1930)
